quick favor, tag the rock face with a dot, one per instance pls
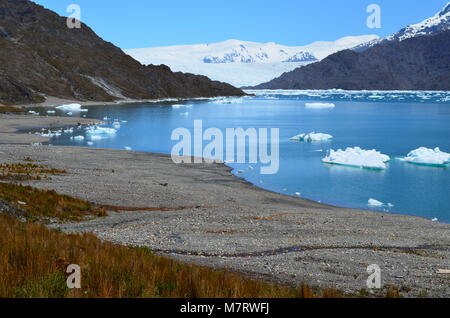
(418, 63)
(40, 56)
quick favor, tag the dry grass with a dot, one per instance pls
(33, 260)
(47, 203)
(11, 109)
(26, 171)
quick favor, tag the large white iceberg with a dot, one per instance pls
(319, 105)
(312, 137)
(72, 108)
(426, 156)
(357, 157)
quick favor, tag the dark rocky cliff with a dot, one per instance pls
(419, 63)
(40, 56)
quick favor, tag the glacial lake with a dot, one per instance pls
(393, 123)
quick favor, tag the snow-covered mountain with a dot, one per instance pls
(438, 23)
(242, 63)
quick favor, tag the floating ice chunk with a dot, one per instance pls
(320, 105)
(435, 220)
(357, 157)
(116, 124)
(77, 138)
(312, 137)
(71, 108)
(32, 112)
(51, 112)
(298, 194)
(90, 143)
(69, 114)
(390, 205)
(102, 131)
(425, 156)
(128, 148)
(181, 106)
(96, 138)
(376, 203)
(227, 101)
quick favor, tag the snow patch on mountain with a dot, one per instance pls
(438, 23)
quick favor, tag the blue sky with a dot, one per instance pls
(148, 23)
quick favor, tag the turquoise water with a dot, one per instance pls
(392, 123)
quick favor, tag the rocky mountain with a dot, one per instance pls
(418, 63)
(40, 56)
(415, 58)
(242, 63)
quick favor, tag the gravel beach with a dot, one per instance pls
(201, 213)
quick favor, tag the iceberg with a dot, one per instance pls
(72, 108)
(376, 203)
(312, 137)
(357, 157)
(320, 105)
(77, 138)
(227, 101)
(426, 156)
(102, 131)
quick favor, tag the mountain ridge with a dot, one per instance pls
(419, 63)
(40, 56)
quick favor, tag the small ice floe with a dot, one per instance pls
(128, 148)
(181, 106)
(36, 144)
(68, 131)
(435, 220)
(72, 108)
(103, 131)
(50, 134)
(375, 203)
(32, 112)
(124, 121)
(250, 168)
(320, 105)
(312, 137)
(51, 112)
(116, 124)
(77, 138)
(69, 114)
(357, 157)
(426, 156)
(298, 194)
(390, 205)
(90, 143)
(105, 118)
(227, 101)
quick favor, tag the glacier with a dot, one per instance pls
(426, 156)
(357, 157)
(312, 137)
(242, 63)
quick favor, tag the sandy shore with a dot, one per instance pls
(212, 218)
